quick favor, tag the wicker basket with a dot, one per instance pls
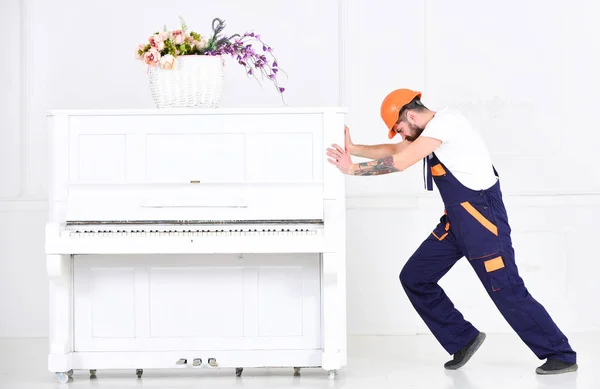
(195, 81)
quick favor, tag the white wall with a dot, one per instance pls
(528, 80)
(76, 54)
(23, 303)
(525, 73)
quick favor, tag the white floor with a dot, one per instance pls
(503, 362)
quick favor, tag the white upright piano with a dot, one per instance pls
(196, 239)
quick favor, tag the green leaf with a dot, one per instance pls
(184, 26)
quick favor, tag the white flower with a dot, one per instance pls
(202, 43)
(167, 62)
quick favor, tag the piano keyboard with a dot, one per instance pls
(190, 237)
(191, 232)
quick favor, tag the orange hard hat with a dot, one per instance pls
(392, 104)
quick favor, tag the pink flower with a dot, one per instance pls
(152, 57)
(178, 36)
(167, 62)
(156, 42)
(164, 36)
(137, 51)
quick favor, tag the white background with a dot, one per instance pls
(526, 73)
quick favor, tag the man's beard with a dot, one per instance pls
(414, 129)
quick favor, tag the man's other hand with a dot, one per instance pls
(340, 158)
(348, 145)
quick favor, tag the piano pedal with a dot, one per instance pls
(181, 362)
(197, 362)
(213, 362)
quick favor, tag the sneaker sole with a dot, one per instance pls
(478, 342)
(559, 371)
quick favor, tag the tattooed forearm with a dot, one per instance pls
(383, 165)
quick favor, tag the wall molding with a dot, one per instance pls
(20, 205)
(525, 199)
(12, 101)
(389, 201)
(26, 88)
(342, 32)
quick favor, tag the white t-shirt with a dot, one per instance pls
(463, 150)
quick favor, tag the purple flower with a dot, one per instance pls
(246, 52)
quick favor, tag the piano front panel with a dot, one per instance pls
(194, 157)
(188, 301)
(201, 148)
(100, 158)
(210, 302)
(153, 167)
(276, 157)
(111, 292)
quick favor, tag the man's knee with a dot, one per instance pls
(408, 275)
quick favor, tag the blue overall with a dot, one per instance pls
(475, 225)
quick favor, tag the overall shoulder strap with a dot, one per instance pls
(427, 178)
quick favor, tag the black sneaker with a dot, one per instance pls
(463, 355)
(554, 366)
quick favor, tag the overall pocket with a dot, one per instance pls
(497, 273)
(442, 230)
(477, 227)
(438, 170)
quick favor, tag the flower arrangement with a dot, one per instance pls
(163, 48)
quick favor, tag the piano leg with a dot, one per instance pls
(60, 271)
(334, 287)
(332, 311)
